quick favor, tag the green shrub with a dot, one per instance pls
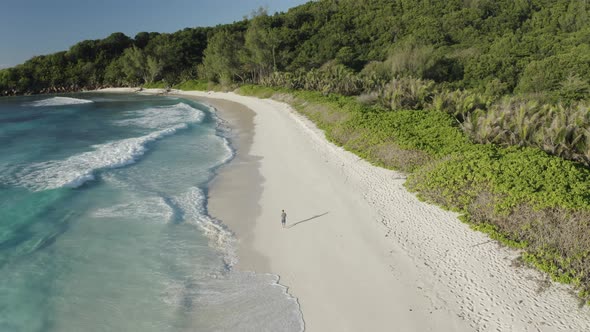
(516, 175)
(460, 103)
(521, 197)
(551, 74)
(330, 78)
(556, 129)
(407, 93)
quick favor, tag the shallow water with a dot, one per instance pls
(103, 225)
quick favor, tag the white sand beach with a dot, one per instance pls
(360, 252)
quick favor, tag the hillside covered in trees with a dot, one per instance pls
(485, 102)
(496, 47)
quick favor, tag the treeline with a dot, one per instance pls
(117, 60)
(496, 47)
(493, 47)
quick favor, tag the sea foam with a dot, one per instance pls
(193, 205)
(162, 117)
(238, 301)
(78, 169)
(225, 132)
(249, 299)
(60, 101)
(151, 208)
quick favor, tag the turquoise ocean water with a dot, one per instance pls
(103, 222)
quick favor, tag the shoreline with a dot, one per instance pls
(379, 259)
(237, 183)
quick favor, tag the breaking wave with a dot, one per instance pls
(60, 101)
(78, 169)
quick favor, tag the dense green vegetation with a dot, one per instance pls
(484, 102)
(493, 46)
(114, 61)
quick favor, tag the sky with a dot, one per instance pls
(36, 27)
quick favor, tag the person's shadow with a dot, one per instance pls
(308, 219)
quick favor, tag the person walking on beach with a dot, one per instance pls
(283, 218)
